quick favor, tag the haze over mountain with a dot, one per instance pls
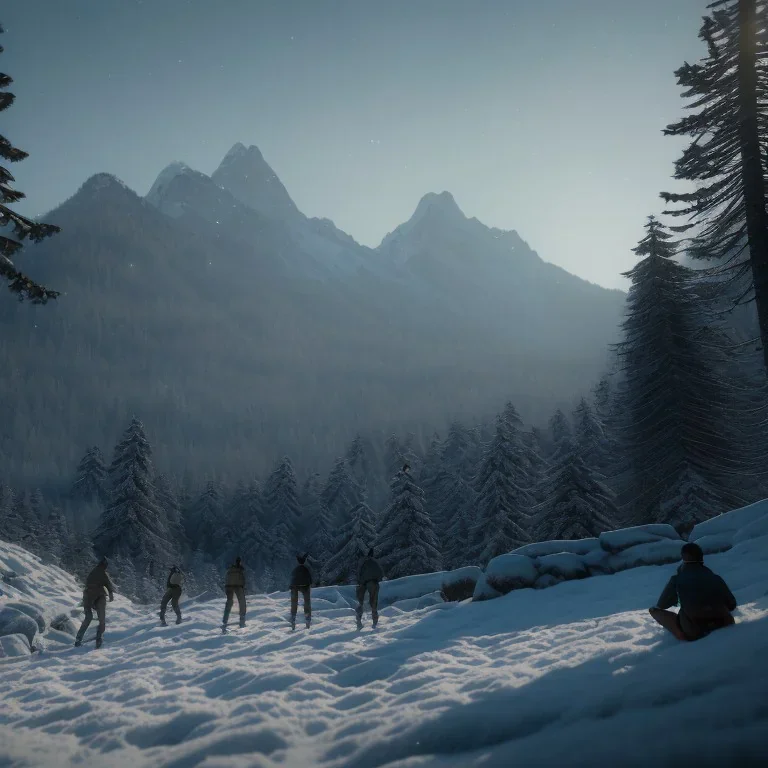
(238, 329)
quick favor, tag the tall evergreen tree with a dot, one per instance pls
(356, 537)
(166, 498)
(14, 224)
(133, 525)
(360, 463)
(727, 155)
(589, 436)
(207, 526)
(504, 501)
(283, 509)
(91, 483)
(407, 543)
(676, 409)
(559, 429)
(54, 536)
(341, 493)
(457, 507)
(321, 543)
(576, 503)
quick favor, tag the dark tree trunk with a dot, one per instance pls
(751, 164)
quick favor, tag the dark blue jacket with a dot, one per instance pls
(701, 593)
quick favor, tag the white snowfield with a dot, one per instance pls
(576, 674)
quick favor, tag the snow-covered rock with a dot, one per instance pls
(624, 538)
(33, 611)
(541, 548)
(715, 542)
(484, 591)
(460, 584)
(13, 646)
(507, 572)
(14, 622)
(63, 623)
(651, 553)
(562, 566)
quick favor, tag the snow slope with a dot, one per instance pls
(576, 674)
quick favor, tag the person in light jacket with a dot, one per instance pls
(234, 586)
(172, 594)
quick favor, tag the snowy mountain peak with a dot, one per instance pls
(164, 178)
(442, 204)
(246, 174)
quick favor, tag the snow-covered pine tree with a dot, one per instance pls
(559, 429)
(165, 495)
(356, 537)
(341, 493)
(17, 228)
(407, 543)
(729, 138)
(309, 500)
(589, 436)
(537, 465)
(676, 409)
(91, 485)
(54, 537)
(207, 527)
(504, 501)
(576, 501)
(457, 508)
(281, 503)
(321, 543)
(360, 463)
(133, 526)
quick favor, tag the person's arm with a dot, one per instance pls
(668, 597)
(730, 600)
(110, 587)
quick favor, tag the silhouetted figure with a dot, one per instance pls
(705, 601)
(368, 578)
(234, 586)
(97, 586)
(173, 588)
(301, 581)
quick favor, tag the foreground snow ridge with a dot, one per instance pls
(575, 674)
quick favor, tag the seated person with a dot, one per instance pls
(705, 601)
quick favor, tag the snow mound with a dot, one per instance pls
(576, 675)
(541, 548)
(507, 572)
(616, 541)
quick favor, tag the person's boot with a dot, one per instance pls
(99, 641)
(375, 621)
(178, 619)
(307, 621)
(163, 622)
(242, 623)
(293, 622)
(359, 620)
(78, 642)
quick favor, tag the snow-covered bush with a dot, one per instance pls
(562, 566)
(460, 584)
(507, 572)
(14, 622)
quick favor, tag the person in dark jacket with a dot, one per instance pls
(172, 593)
(368, 578)
(705, 601)
(234, 586)
(301, 581)
(97, 586)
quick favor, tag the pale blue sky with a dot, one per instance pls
(540, 117)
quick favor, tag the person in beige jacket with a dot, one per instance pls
(97, 586)
(234, 586)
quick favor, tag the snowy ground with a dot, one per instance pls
(576, 674)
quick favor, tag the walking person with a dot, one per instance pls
(97, 586)
(173, 587)
(301, 581)
(706, 603)
(234, 586)
(368, 580)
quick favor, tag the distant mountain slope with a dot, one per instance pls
(238, 333)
